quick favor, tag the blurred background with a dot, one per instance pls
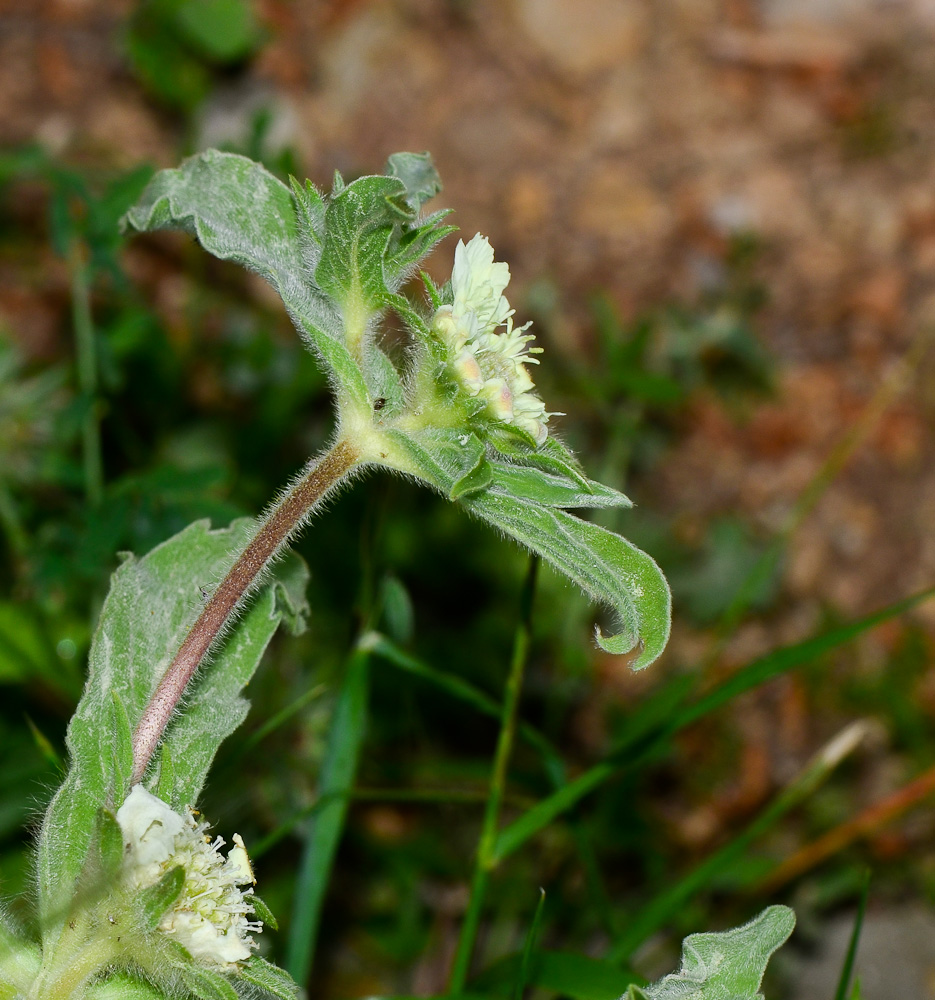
(720, 215)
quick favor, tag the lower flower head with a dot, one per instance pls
(210, 917)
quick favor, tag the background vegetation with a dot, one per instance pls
(741, 342)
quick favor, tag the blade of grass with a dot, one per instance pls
(567, 974)
(630, 753)
(380, 645)
(280, 718)
(848, 968)
(414, 796)
(523, 978)
(865, 823)
(325, 828)
(485, 860)
(667, 903)
(86, 351)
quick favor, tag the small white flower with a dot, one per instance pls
(490, 364)
(210, 916)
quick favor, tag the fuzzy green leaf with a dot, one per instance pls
(728, 965)
(151, 604)
(263, 912)
(239, 211)
(552, 456)
(207, 985)
(123, 987)
(522, 502)
(19, 959)
(604, 565)
(418, 175)
(538, 486)
(358, 224)
(156, 899)
(109, 843)
(270, 978)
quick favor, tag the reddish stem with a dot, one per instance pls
(285, 519)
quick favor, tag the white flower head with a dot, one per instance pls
(210, 917)
(490, 364)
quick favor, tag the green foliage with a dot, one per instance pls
(337, 262)
(145, 615)
(155, 900)
(175, 46)
(724, 966)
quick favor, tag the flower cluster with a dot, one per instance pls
(488, 364)
(210, 916)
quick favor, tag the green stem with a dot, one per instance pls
(486, 858)
(79, 278)
(77, 956)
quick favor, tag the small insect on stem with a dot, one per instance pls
(378, 404)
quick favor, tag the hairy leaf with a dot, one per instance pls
(728, 965)
(239, 211)
(156, 899)
(604, 565)
(123, 987)
(207, 985)
(524, 503)
(271, 979)
(151, 604)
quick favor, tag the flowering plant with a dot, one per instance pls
(134, 898)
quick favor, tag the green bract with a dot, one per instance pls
(462, 416)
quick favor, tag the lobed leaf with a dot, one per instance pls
(239, 211)
(359, 221)
(726, 965)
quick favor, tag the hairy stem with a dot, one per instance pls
(486, 859)
(280, 525)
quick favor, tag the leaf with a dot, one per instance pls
(263, 912)
(418, 175)
(109, 843)
(19, 958)
(604, 565)
(275, 981)
(538, 486)
(156, 899)
(120, 986)
(728, 965)
(552, 456)
(207, 985)
(475, 481)
(359, 221)
(151, 603)
(239, 211)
